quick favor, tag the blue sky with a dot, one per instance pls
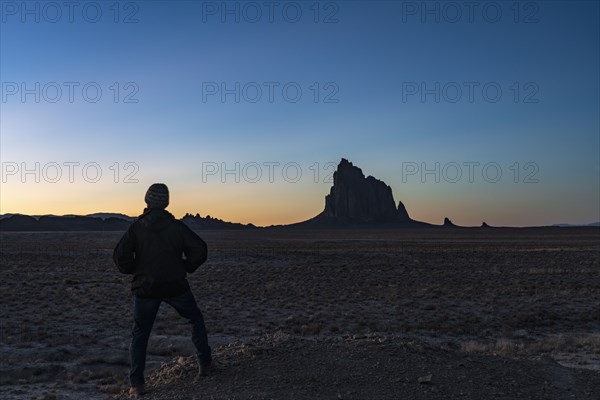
(546, 52)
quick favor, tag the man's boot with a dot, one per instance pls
(137, 391)
(204, 370)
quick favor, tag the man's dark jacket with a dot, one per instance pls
(159, 251)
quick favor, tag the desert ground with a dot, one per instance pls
(332, 314)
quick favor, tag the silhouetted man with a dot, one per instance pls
(160, 251)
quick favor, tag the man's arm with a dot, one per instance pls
(124, 253)
(194, 249)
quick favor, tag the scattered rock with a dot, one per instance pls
(520, 333)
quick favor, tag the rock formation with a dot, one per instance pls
(447, 222)
(358, 200)
(402, 214)
(208, 222)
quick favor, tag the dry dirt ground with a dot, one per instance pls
(367, 314)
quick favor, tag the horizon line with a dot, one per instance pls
(94, 215)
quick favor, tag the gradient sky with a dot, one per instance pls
(370, 53)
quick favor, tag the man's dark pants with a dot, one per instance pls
(144, 314)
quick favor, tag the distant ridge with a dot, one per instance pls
(98, 222)
(19, 222)
(101, 215)
(105, 215)
(574, 225)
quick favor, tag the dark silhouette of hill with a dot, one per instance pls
(105, 215)
(18, 222)
(100, 222)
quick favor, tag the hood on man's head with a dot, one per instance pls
(157, 196)
(156, 219)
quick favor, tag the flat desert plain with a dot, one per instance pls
(332, 314)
